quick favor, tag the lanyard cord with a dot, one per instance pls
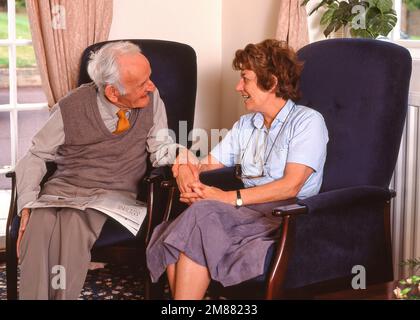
(275, 139)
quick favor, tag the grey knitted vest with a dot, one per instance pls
(93, 157)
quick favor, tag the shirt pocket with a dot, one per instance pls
(277, 161)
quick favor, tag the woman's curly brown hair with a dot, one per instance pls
(268, 59)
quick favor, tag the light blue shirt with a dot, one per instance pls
(298, 134)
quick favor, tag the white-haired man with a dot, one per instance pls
(99, 135)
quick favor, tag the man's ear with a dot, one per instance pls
(111, 93)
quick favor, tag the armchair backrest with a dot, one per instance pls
(360, 86)
(174, 72)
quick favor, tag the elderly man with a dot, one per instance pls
(99, 136)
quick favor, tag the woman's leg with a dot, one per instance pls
(170, 273)
(191, 279)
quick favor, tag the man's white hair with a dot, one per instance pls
(103, 66)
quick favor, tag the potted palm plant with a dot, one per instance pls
(364, 18)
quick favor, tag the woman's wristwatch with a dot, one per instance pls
(239, 201)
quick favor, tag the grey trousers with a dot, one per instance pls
(55, 252)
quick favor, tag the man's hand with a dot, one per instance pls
(23, 223)
(186, 157)
(184, 179)
(204, 192)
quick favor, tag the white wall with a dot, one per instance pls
(243, 22)
(315, 31)
(194, 22)
(215, 29)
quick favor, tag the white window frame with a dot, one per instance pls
(13, 107)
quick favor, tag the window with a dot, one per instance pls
(407, 34)
(23, 105)
(409, 19)
(407, 30)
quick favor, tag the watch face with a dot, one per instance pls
(238, 202)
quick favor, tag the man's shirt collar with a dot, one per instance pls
(108, 106)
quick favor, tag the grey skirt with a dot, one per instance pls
(231, 242)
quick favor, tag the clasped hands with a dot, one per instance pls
(186, 170)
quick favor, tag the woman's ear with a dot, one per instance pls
(111, 93)
(275, 83)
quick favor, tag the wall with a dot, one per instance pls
(243, 22)
(196, 23)
(215, 29)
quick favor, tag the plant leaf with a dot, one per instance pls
(405, 291)
(361, 33)
(382, 23)
(384, 5)
(327, 17)
(330, 28)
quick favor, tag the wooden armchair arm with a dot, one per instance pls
(292, 209)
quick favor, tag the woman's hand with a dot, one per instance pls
(203, 192)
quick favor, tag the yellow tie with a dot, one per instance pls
(123, 123)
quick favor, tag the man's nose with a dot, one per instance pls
(151, 86)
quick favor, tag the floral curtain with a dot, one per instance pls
(292, 24)
(61, 30)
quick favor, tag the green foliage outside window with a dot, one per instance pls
(19, 4)
(412, 4)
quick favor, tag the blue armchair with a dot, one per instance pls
(175, 74)
(361, 88)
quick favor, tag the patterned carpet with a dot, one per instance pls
(109, 283)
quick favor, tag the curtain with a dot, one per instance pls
(61, 30)
(292, 24)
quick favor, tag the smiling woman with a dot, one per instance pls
(281, 149)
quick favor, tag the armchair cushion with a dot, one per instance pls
(345, 232)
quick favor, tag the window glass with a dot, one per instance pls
(410, 20)
(3, 20)
(22, 21)
(29, 89)
(4, 76)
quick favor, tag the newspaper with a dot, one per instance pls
(127, 211)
